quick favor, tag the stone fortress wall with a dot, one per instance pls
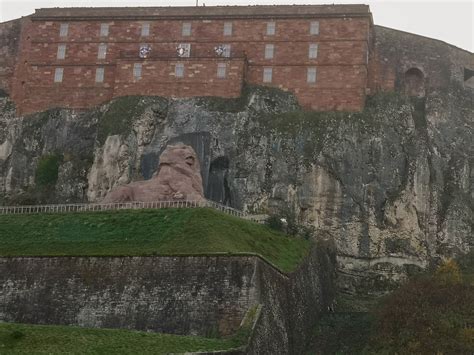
(409, 63)
(190, 295)
(9, 45)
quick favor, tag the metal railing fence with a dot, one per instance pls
(95, 207)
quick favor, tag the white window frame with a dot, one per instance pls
(145, 31)
(314, 28)
(311, 75)
(137, 71)
(104, 29)
(99, 75)
(267, 75)
(221, 70)
(186, 29)
(61, 54)
(269, 51)
(63, 29)
(179, 70)
(313, 51)
(227, 28)
(58, 75)
(227, 50)
(271, 28)
(102, 51)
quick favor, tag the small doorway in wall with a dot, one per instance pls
(414, 83)
(468, 78)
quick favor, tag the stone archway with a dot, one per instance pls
(414, 82)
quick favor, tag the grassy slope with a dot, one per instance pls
(145, 232)
(40, 339)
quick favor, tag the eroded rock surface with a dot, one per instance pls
(178, 178)
(393, 186)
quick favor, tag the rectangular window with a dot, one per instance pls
(314, 28)
(137, 71)
(179, 70)
(186, 29)
(145, 29)
(311, 75)
(58, 75)
(99, 75)
(221, 70)
(63, 29)
(269, 51)
(226, 50)
(267, 75)
(228, 29)
(271, 28)
(104, 29)
(61, 51)
(102, 51)
(313, 51)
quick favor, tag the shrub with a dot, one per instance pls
(432, 314)
(448, 273)
(16, 334)
(275, 222)
(47, 170)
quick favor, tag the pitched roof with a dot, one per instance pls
(257, 11)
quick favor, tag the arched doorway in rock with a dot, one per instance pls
(218, 189)
(414, 82)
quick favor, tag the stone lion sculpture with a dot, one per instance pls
(178, 178)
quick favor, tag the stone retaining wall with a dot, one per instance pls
(182, 295)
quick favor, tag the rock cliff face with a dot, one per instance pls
(392, 185)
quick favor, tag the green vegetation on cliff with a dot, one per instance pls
(146, 232)
(47, 170)
(41, 339)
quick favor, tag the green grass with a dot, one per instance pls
(146, 232)
(41, 339)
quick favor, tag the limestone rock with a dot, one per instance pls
(178, 178)
(393, 186)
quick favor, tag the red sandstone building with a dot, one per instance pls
(329, 56)
(81, 57)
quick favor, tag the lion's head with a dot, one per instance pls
(182, 156)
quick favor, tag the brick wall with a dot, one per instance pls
(341, 60)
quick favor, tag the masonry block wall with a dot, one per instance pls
(396, 53)
(9, 43)
(318, 52)
(181, 295)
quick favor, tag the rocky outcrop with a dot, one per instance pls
(393, 185)
(178, 178)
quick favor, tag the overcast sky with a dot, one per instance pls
(449, 21)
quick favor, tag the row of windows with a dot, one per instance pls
(179, 73)
(186, 29)
(184, 50)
